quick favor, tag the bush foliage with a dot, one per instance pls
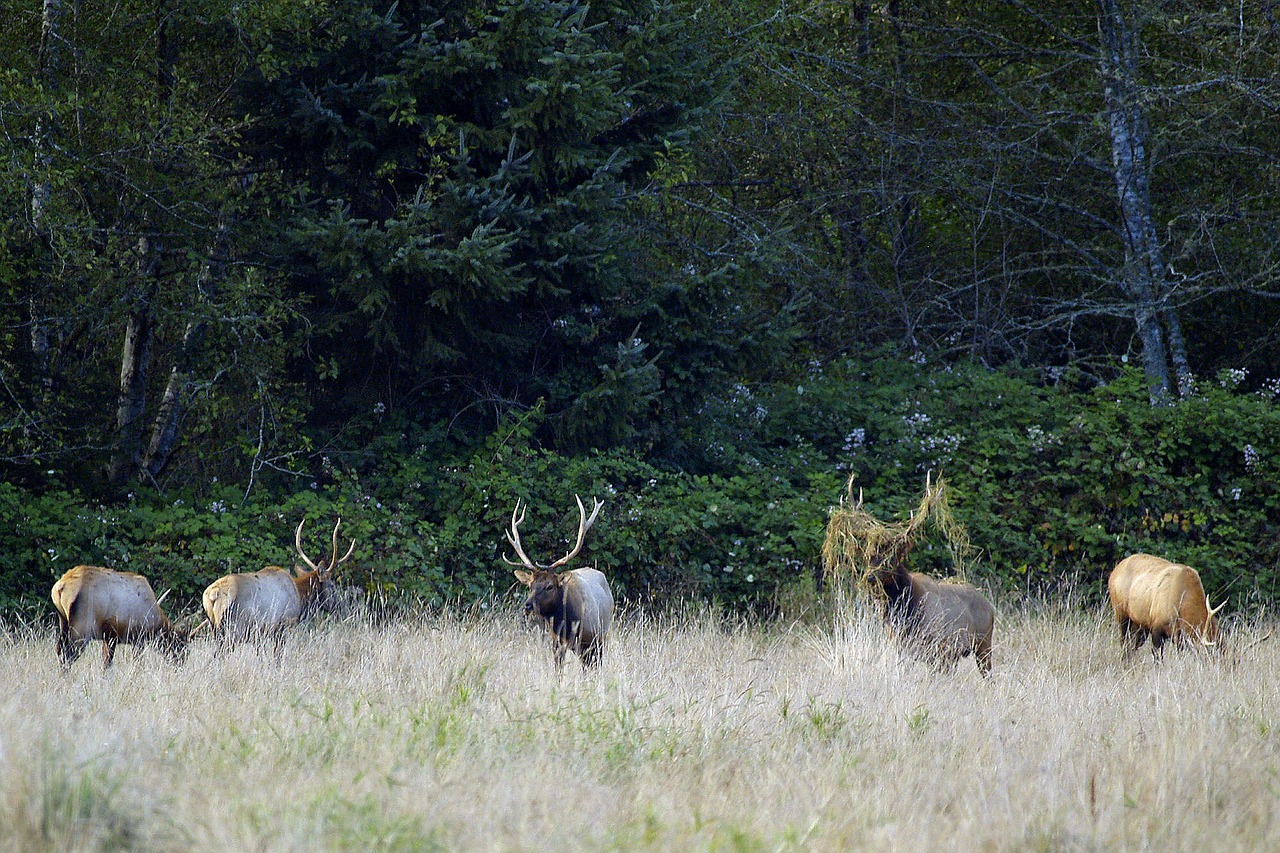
(1053, 483)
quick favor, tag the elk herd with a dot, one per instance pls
(94, 603)
(938, 621)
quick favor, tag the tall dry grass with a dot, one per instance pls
(454, 733)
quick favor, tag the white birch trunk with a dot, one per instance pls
(1143, 278)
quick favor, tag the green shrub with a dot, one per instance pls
(1053, 484)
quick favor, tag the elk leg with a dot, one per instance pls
(68, 648)
(108, 651)
(590, 653)
(1131, 637)
(1157, 644)
(983, 656)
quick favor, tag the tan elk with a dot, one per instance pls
(94, 603)
(1156, 599)
(937, 621)
(267, 602)
(577, 605)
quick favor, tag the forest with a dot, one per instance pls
(712, 262)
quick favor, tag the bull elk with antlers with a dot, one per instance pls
(1154, 598)
(939, 621)
(266, 602)
(94, 603)
(576, 605)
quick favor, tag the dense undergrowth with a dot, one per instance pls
(1053, 482)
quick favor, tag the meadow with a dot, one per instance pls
(453, 732)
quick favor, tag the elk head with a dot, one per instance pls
(546, 595)
(317, 585)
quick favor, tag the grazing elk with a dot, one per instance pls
(1154, 598)
(266, 602)
(938, 621)
(94, 603)
(576, 605)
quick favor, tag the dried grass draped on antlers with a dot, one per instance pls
(856, 542)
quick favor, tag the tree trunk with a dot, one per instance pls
(135, 364)
(1177, 351)
(1142, 278)
(41, 191)
(127, 461)
(851, 218)
(177, 392)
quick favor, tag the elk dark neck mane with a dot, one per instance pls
(306, 582)
(310, 595)
(562, 620)
(902, 599)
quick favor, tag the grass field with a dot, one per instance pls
(454, 733)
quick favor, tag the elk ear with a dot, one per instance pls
(524, 577)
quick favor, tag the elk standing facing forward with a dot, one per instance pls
(576, 605)
(266, 602)
(94, 603)
(938, 621)
(1152, 597)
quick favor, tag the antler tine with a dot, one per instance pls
(513, 536)
(335, 560)
(297, 543)
(595, 510)
(333, 548)
(584, 524)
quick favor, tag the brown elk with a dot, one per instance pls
(1154, 598)
(267, 602)
(577, 605)
(937, 621)
(94, 603)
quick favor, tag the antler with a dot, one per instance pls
(513, 536)
(584, 524)
(297, 543)
(334, 562)
(1212, 610)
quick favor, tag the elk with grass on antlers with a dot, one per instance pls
(266, 602)
(577, 605)
(938, 621)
